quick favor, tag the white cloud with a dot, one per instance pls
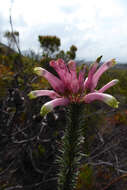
(94, 26)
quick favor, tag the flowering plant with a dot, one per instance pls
(72, 88)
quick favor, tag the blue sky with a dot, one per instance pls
(96, 27)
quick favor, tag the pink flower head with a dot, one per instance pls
(70, 87)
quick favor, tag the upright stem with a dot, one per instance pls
(70, 157)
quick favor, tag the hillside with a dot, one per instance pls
(5, 50)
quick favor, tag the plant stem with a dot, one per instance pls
(70, 157)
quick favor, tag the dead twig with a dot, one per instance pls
(114, 181)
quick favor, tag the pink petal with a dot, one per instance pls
(101, 70)
(49, 106)
(108, 99)
(74, 86)
(88, 82)
(81, 79)
(74, 83)
(56, 83)
(72, 69)
(108, 85)
(37, 93)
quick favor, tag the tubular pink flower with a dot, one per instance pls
(108, 99)
(53, 80)
(93, 77)
(72, 69)
(36, 93)
(74, 80)
(70, 87)
(108, 85)
(100, 71)
(49, 106)
(88, 82)
(81, 79)
(74, 86)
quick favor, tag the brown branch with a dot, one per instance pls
(114, 181)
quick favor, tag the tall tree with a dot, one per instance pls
(49, 44)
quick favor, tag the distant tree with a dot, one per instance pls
(61, 54)
(72, 52)
(11, 37)
(49, 44)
